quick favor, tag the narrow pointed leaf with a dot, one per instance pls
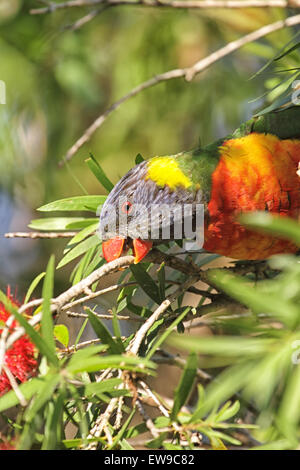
(76, 203)
(47, 321)
(103, 333)
(79, 249)
(185, 385)
(99, 173)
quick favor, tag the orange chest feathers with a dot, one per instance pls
(255, 172)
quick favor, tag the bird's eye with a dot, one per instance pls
(126, 207)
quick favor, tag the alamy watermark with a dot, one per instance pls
(154, 222)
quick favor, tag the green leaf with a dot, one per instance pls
(89, 262)
(28, 389)
(288, 51)
(83, 354)
(124, 445)
(280, 444)
(61, 223)
(103, 333)
(95, 364)
(289, 411)
(76, 203)
(139, 159)
(227, 411)
(105, 386)
(169, 446)
(229, 382)
(197, 414)
(146, 282)
(158, 442)
(216, 438)
(85, 232)
(91, 362)
(275, 57)
(45, 393)
(229, 346)
(78, 442)
(80, 333)
(99, 173)
(79, 249)
(32, 286)
(284, 99)
(136, 430)
(54, 425)
(80, 224)
(274, 225)
(116, 324)
(116, 329)
(47, 321)
(61, 333)
(161, 276)
(262, 381)
(259, 302)
(122, 431)
(158, 342)
(185, 385)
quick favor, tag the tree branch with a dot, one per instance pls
(188, 4)
(142, 332)
(188, 73)
(34, 235)
(156, 256)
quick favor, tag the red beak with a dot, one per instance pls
(140, 249)
(113, 249)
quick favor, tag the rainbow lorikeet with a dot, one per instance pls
(254, 169)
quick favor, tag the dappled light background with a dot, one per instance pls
(58, 81)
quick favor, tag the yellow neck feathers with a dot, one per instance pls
(166, 171)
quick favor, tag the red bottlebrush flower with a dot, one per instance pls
(7, 445)
(20, 357)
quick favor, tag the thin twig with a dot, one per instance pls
(135, 344)
(148, 421)
(155, 256)
(101, 423)
(188, 4)
(93, 295)
(149, 392)
(86, 18)
(104, 316)
(95, 276)
(3, 339)
(75, 347)
(119, 414)
(34, 235)
(177, 73)
(98, 293)
(74, 291)
(188, 73)
(102, 420)
(15, 386)
(164, 357)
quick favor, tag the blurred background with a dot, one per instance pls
(59, 80)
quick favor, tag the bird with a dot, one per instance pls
(256, 168)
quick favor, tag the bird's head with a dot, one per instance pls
(144, 206)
